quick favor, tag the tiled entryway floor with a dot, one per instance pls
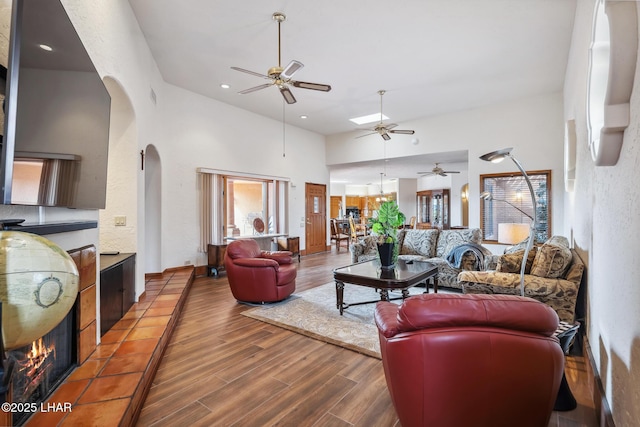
(108, 389)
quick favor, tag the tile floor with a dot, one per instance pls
(109, 388)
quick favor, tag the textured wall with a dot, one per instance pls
(602, 216)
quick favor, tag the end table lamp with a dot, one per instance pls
(497, 157)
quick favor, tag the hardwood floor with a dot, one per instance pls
(224, 369)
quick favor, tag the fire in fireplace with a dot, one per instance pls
(41, 366)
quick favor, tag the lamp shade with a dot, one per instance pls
(512, 233)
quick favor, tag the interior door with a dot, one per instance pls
(316, 218)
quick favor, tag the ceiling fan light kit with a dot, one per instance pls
(282, 77)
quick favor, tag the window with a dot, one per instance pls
(506, 199)
(236, 205)
(248, 202)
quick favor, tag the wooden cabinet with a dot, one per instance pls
(433, 207)
(215, 258)
(117, 288)
(290, 244)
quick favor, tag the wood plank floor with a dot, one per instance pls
(225, 369)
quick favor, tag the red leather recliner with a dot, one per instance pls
(453, 360)
(259, 276)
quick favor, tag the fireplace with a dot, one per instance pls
(42, 365)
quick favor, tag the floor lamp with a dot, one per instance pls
(497, 157)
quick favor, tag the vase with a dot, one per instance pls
(385, 251)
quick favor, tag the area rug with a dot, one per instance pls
(314, 314)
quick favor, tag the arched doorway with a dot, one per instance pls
(152, 209)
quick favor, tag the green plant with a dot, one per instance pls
(389, 220)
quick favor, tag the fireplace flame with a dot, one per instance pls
(37, 356)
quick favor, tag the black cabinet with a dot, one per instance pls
(117, 288)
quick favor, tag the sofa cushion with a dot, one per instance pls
(419, 242)
(551, 261)
(512, 262)
(449, 239)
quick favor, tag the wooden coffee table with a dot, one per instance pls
(368, 273)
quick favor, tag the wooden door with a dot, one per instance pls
(316, 218)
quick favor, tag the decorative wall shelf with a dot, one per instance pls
(612, 65)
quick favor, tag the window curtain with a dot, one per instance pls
(211, 186)
(206, 210)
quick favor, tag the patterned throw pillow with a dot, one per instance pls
(512, 262)
(551, 261)
(419, 242)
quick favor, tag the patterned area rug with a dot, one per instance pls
(314, 314)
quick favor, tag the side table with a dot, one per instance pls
(291, 244)
(565, 333)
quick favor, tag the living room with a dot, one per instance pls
(179, 131)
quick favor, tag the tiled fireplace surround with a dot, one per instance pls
(112, 379)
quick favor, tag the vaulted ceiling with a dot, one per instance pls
(432, 57)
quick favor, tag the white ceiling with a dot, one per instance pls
(431, 57)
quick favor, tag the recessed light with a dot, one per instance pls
(45, 47)
(304, 116)
(225, 86)
(368, 119)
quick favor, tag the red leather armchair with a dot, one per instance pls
(259, 276)
(453, 360)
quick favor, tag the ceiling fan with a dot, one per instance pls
(437, 170)
(282, 77)
(385, 130)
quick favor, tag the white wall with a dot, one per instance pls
(407, 197)
(602, 216)
(533, 126)
(201, 132)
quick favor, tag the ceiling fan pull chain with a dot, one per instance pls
(283, 130)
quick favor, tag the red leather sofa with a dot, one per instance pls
(259, 276)
(453, 360)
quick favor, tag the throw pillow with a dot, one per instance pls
(551, 261)
(512, 262)
(419, 242)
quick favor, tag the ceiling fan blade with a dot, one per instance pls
(403, 132)
(385, 136)
(366, 134)
(312, 86)
(253, 73)
(287, 95)
(451, 172)
(390, 125)
(291, 69)
(255, 88)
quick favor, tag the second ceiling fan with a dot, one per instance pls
(282, 77)
(385, 130)
(437, 170)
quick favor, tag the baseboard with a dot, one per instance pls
(149, 276)
(603, 410)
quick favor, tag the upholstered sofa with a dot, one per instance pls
(435, 246)
(470, 360)
(552, 275)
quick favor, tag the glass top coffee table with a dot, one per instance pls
(370, 274)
